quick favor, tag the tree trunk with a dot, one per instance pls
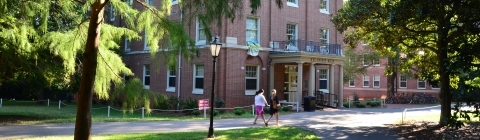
(391, 78)
(445, 94)
(83, 121)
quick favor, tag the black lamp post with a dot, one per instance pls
(215, 47)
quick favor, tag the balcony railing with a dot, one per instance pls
(304, 46)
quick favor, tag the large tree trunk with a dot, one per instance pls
(83, 121)
(391, 78)
(445, 94)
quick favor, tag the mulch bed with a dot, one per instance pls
(431, 131)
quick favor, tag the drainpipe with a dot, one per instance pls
(179, 71)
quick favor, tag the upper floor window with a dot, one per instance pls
(174, 2)
(252, 29)
(146, 76)
(324, 6)
(200, 35)
(324, 36)
(421, 84)
(365, 61)
(293, 3)
(198, 75)
(292, 34)
(129, 2)
(403, 81)
(366, 81)
(437, 86)
(127, 44)
(145, 41)
(376, 61)
(111, 13)
(149, 2)
(376, 81)
(251, 79)
(351, 83)
(171, 77)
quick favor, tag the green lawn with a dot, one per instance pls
(32, 113)
(265, 133)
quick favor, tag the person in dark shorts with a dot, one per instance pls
(275, 105)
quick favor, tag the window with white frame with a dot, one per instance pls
(198, 75)
(437, 86)
(351, 82)
(421, 84)
(364, 60)
(146, 76)
(112, 13)
(251, 80)
(323, 80)
(145, 42)
(366, 81)
(293, 3)
(129, 2)
(324, 36)
(171, 79)
(200, 35)
(403, 81)
(324, 6)
(376, 81)
(292, 34)
(376, 61)
(252, 29)
(174, 2)
(127, 44)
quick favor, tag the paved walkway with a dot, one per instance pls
(329, 124)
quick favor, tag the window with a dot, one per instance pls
(252, 29)
(149, 2)
(366, 80)
(324, 36)
(201, 38)
(171, 77)
(198, 79)
(351, 83)
(293, 3)
(323, 79)
(324, 6)
(292, 34)
(251, 79)
(112, 13)
(376, 61)
(129, 2)
(174, 2)
(145, 42)
(421, 84)
(403, 81)
(436, 86)
(146, 76)
(364, 60)
(127, 44)
(376, 81)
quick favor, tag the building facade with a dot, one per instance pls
(299, 54)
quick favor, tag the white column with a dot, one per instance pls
(311, 81)
(272, 77)
(331, 90)
(340, 93)
(299, 82)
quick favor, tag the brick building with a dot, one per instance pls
(298, 46)
(373, 84)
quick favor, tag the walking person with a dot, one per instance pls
(274, 107)
(260, 102)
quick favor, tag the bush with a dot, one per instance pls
(216, 112)
(266, 110)
(195, 112)
(189, 104)
(239, 111)
(285, 109)
(359, 105)
(368, 103)
(220, 103)
(345, 104)
(374, 104)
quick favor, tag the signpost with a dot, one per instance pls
(203, 105)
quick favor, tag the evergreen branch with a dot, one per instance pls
(108, 64)
(81, 2)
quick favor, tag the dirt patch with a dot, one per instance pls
(17, 119)
(431, 131)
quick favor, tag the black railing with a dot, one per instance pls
(304, 46)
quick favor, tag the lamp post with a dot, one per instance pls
(215, 47)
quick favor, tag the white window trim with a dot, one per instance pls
(400, 82)
(144, 75)
(174, 2)
(252, 92)
(169, 88)
(258, 29)
(293, 4)
(197, 90)
(127, 44)
(197, 34)
(375, 64)
(368, 79)
(328, 35)
(145, 45)
(350, 81)
(327, 90)
(418, 84)
(295, 33)
(327, 8)
(375, 80)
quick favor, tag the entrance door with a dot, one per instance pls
(290, 88)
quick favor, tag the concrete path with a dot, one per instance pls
(329, 124)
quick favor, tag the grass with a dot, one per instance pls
(280, 133)
(33, 113)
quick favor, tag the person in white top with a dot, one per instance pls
(260, 102)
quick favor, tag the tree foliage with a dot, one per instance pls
(447, 31)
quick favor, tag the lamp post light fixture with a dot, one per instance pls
(215, 47)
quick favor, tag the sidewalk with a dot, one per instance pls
(330, 124)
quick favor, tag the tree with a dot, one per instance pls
(443, 29)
